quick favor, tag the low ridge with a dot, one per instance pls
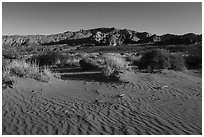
(101, 36)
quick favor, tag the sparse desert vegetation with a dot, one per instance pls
(114, 64)
(125, 89)
(109, 63)
(20, 68)
(106, 80)
(161, 59)
(177, 62)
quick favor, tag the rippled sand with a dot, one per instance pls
(161, 103)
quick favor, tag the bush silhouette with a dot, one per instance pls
(109, 64)
(194, 61)
(47, 59)
(160, 59)
(156, 59)
(177, 62)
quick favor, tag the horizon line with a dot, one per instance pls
(99, 28)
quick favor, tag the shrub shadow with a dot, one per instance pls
(91, 77)
(67, 70)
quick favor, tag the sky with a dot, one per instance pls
(50, 17)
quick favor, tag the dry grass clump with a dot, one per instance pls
(109, 64)
(177, 62)
(20, 68)
(69, 61)
(7, 80)
(46, 59)
(114, 64)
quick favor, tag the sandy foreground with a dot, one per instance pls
(161, 103)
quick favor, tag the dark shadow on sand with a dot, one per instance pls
(68, 70)
(92, 77)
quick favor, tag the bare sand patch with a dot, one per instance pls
(144, 103)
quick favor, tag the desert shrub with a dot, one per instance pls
(23, 69)
(177, 62)
(109, 64)
(19, 68)
(47, 59)
(160, 59)
(70, 61)
(113, 64)
(156, 59)
(7, 80)
(194, 61)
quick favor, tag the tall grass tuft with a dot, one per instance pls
(114, 64)
(20, 68)
(109, 64)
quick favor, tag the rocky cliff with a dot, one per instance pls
(100, 36)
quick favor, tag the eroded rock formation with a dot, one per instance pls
(100, 36)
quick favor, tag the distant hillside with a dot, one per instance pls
(100, 36)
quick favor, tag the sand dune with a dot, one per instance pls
(162, 103)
